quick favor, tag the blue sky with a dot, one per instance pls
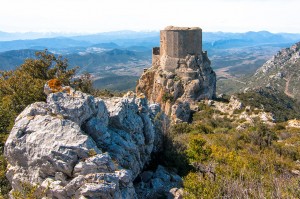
(102, 15)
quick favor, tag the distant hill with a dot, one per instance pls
(116, 83)
(92, 62)
(9, 60)
(123, 38)
(50, 43)
(255, 37)
(88, 61)
(15, 41)
(281, 72)
(106, 45)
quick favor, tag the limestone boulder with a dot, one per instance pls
(78, 146)
(181, 112)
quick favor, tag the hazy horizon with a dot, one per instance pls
(136, 31)
(93, 16)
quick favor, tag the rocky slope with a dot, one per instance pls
(239, 114)
(78, 146)
(281, 72)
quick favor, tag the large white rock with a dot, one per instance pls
(78, 146)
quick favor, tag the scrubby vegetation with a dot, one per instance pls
(218, 161)
(276, 102)
(29, 192)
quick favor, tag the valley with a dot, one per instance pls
(114, 56)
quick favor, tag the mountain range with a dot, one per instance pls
(126, 53)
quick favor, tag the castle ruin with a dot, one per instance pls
(177, 42)
(180, 70)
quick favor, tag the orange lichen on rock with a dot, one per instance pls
(55, 85)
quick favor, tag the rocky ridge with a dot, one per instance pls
(78, 146)
(281, 72)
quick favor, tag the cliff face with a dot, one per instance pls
(78, 146)
(281, 72)
(192, 80)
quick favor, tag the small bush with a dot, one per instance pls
(197, 151)
(92, 152)
(203, 128)
(29, 192)
(180, 128)
(167, 97)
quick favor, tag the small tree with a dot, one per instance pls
(84, 83)
(23, 86)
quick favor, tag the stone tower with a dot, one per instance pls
(175, 43)
(179, 42)
(180, 71)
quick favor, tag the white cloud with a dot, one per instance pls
(99, 16)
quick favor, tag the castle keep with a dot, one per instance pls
(177, 42)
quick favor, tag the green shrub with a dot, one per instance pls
(92, 152)
(197, 151)
(196, 187)
(262, 136)
(203, 128)
(180, 128)
(174, 155)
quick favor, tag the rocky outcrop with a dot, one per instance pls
(293, 123)
(240, 114)
(233, 105)
(78, 146)
(180, 73)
